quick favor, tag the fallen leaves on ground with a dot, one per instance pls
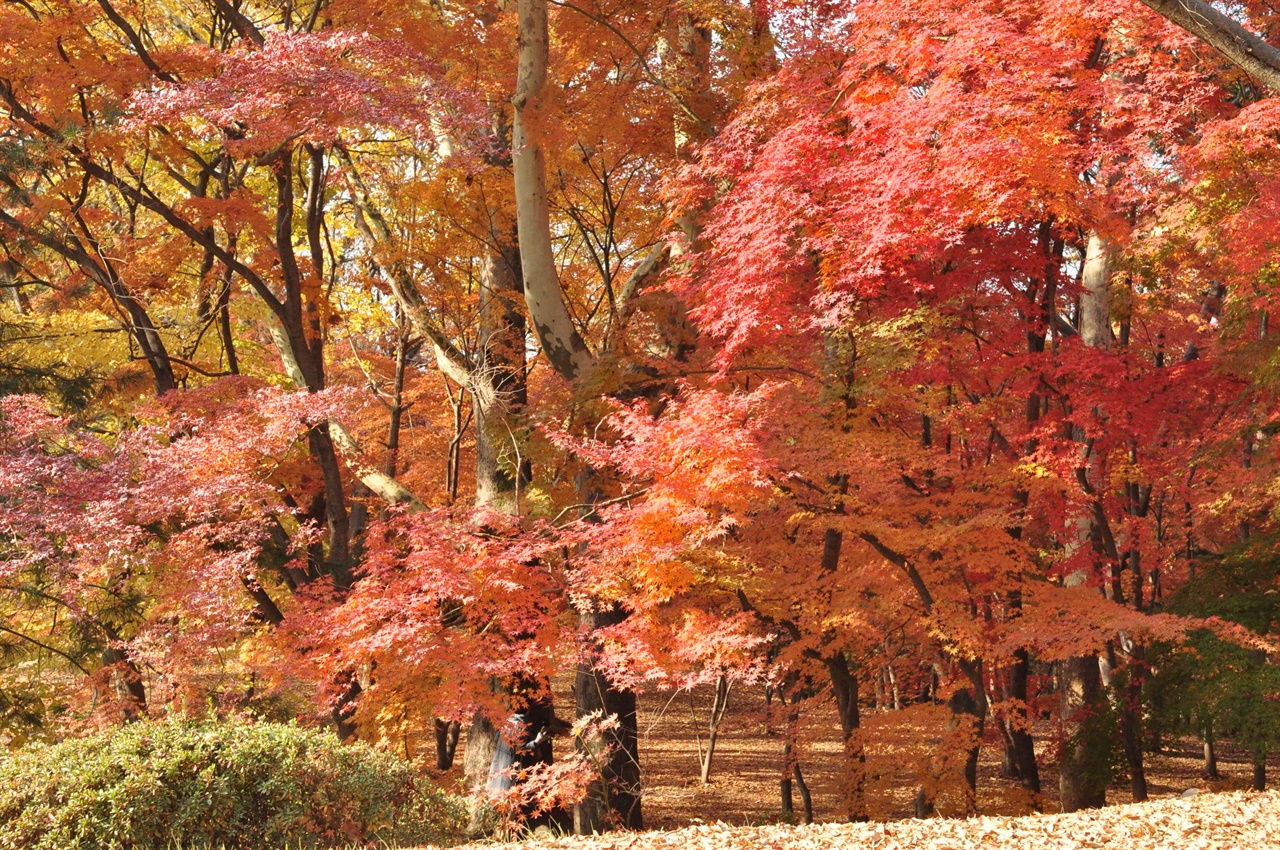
(1231, 821)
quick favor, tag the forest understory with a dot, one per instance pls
(748, 762)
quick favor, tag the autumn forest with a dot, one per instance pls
(443, 386)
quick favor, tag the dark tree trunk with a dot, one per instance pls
(965, 708)
(806, 799)
(344, 706)
(844, 685)
(447, 732)
(1131, 723)
(1024, 750)
(613, 800)
(1259, 773)
(128, 681)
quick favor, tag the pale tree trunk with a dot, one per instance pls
(477, 757)
(1080, 678)
(498, 484)
(9, 282)
(686, 58)
(496, 381)
(1095, 301)
(1210, 759)
(552, 323)
(615, 799)
(502, 359)
(1095, 331)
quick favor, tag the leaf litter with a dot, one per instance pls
(1239, 820)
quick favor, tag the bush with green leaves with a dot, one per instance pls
(215, 784)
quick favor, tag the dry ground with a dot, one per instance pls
(1226, 821)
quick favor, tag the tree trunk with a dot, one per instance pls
(719, 704)
(1259, 773)
(447, 732)
(482, 745)
(1095, 301)
(127, 679)
(502, 359)
(1082, 777)
(8, 282)
(552, 323)
(1131, 723)
(1082, 773)
(1023, 746)
(844, 685)
(806, 799)
(614, 799)
(1210, 760)
(964, 709)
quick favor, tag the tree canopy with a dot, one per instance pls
(376, 363)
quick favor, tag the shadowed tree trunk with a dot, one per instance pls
(1080, 785)
(614, 800)
(1210, 759)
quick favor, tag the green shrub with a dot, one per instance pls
(214, 784)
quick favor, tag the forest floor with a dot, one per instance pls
(748, 761)
(748, 764)
(1241, 820)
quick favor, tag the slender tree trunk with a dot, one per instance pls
(1259, 773)
(1210, 759)
(224, 326)
(719, 705)
(791, 773)
(1131, 722)
(806, 798)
